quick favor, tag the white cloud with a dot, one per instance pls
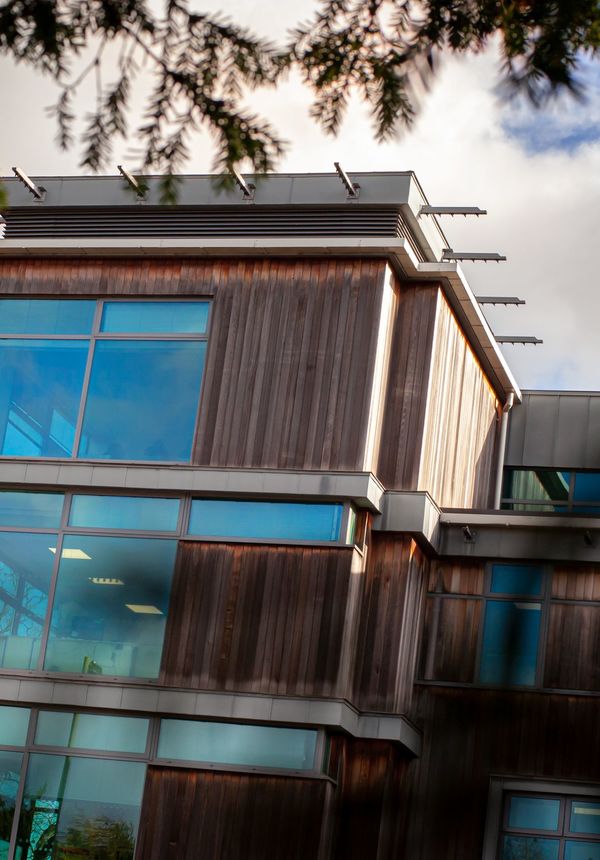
(466, 147)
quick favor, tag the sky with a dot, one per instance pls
(536, 172)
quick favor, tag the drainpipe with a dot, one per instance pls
(502, 449)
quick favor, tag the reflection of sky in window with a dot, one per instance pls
(565, 123)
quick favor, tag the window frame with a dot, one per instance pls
(95, 335)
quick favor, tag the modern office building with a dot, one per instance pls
(289, 565)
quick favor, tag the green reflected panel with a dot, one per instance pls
(134, 513)
(576, 850)
(529, 848)
(31, 510)
(80, 808)
(26, 562)
(110, 606)
(91, 731)
(10, 772)
(231, 743)
(13, 726)
(533, 813)
(585, 817)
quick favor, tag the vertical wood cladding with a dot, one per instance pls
(449, 641)
(289, 370)
(262, 619)
(460, 428)
(573, 647)
(288, 376)
(195, 815)
(389, 624)
(470, 735)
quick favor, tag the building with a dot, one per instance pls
(257, 599)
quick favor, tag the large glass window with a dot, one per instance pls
(10, 774)
(32, 510)
(131, 513)
(265, 520)
(552, 490)
(140, 399)
(110, 606)
(233, 743)
(550, 827)
(79, 808)
(91, 731)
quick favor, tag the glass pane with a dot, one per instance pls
(124, 512)
(13, 726)
(155, 317)
(46, 316)
(533, 813)
(582, 850)
(523, 579)
(587, 487)
(585, 817)
(529, 848)
(80, 808)
(40, 389)
(111, 605)
(267, 520)
(10, 771)
(26, 563)
(510, 641)
(91, 731)
(537, 484)
(229, 743)
(142, 400)
(33, 510)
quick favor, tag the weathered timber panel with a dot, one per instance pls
(195, 815)
(450, 635)
(290, 364)
(470, 735)
(289, 368)
(406, 398)
(388, 636)
(457, 577)
(573, 647)
(460, 428)
(262, 619)
(576, 583)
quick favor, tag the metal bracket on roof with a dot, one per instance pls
(499, 300)
(452, 210)
(2, 227)
(449, 254)
(247, 188)
(526, 341)
(352, 188)
(133, 183)
(38, 192)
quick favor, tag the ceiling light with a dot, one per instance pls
(144, 609)
(71, 553)
(105, 580)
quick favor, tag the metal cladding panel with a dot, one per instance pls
(555, 430)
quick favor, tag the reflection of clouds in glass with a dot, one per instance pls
(565, 124)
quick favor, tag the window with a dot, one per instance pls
(106, 380)
(550, 827)
(552, 490)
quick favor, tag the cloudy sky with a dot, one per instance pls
(537, 174)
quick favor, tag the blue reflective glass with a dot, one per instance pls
(265, 520)
(523, 579)
(582, 850)
(10, 772)
(529, 848)
(26, 562)
(230, 743)
(91, 731)
(124, 512)
(46, 316)
(13, 726)
(587, 487)
(110, 607)
(510, 643)
(533, 813)
(40, 390)
(142, 400)
(585, 817)
(34, 510)
(155, 317)
(80, 807)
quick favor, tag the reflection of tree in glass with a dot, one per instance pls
(530, 848)
(99, 838)
(38, 821)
